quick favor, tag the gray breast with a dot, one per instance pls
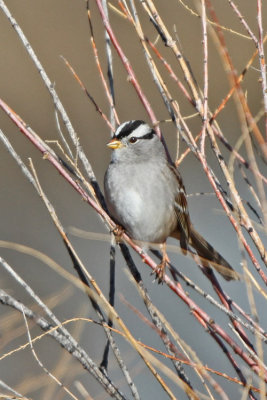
(140, 198)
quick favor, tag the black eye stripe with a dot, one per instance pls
(149, 135)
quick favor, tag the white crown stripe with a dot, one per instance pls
(132, 128)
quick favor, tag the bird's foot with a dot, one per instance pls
(118, 231)
(160, 271)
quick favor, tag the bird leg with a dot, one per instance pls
(160, 270)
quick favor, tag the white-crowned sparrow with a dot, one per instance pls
(146, 196)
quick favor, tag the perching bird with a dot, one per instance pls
(146, 196)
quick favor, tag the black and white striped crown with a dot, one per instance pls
(137, 128)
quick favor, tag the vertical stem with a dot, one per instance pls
(262, 61)
(205, 65)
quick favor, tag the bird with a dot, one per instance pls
(146, 197)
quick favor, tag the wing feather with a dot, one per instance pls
(181, 210)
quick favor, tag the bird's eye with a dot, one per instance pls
(133, 139)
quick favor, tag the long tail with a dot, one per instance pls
(209, 256)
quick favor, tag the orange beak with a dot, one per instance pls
(115, 144)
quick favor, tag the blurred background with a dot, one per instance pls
(60, 28)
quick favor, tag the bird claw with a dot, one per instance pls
(160, 269)
(160, 272)
(118, 231)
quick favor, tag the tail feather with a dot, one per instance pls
(210, 257)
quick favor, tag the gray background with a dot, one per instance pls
(61, 28)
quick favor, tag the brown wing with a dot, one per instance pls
(189, 236)
(181, 209)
